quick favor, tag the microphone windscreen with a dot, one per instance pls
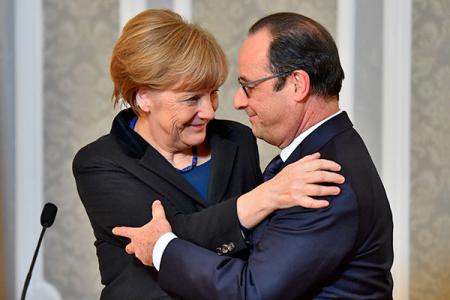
(48, 214)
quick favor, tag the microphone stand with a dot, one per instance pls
(30, 271)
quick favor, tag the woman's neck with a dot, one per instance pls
(184, 158)
(180, 156)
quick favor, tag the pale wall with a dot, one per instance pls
(430, 150)
(78, 39)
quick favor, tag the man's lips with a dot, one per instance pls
(251, 117)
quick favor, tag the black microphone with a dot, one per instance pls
(47, 218)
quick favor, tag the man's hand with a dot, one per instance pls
(143, 238)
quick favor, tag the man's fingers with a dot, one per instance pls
(129, 248)
(123, 231)
(158, 210)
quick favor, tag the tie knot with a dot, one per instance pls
(272, 168)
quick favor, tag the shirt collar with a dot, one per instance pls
(286, 152)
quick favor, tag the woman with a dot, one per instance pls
(168, 146)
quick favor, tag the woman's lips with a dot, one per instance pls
(199, 126)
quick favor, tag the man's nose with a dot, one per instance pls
(240, 99)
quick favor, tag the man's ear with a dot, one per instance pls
(301, 84)
(143, 100)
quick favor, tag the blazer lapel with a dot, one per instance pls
(223, 155)
(154, 162)
(162, 177)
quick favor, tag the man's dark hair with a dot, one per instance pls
(300, 43)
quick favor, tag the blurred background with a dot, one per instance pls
(55, 98)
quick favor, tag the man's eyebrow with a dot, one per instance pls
(243, 78)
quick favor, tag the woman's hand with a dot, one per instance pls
(299, 181)
(295, 185)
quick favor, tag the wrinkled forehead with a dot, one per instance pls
(253, 55)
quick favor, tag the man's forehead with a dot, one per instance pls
(253, 53)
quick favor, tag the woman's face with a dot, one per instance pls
(177, 120)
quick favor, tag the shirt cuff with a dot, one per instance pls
(160, 246)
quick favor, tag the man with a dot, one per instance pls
(290, 76)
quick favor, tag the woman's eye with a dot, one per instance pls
(215, 93)
(192, 99)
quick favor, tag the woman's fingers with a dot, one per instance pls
(322, 164)
(323, 177)
(309, 202)
(316, 190)
(315, 164)
(310, 157)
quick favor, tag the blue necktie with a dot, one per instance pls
(272, 168)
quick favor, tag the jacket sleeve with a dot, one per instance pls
(209, 228)
(297, 250)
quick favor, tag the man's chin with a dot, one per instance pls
(257, 132)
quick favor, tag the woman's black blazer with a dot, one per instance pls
(118, 177)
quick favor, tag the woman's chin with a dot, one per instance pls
(195, 139)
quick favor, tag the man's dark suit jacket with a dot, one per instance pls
(343, 251)
(120, 175)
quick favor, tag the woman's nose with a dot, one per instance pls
(206, 110)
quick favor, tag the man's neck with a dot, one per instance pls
(287, 151)
(316, 110)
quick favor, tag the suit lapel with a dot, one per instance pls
(321, 136)
(223, 155)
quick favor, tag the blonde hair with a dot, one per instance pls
(158, 50)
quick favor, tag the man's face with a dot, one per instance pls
(267, 109)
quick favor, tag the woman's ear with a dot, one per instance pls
(301, 84)
(143, 100)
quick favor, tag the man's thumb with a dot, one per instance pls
(158, 210)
